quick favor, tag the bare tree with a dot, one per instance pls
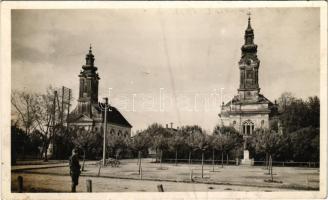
(47, 120)
(26, 107)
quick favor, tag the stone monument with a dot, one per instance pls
(246, 160)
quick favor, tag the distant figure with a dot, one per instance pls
(74, 167)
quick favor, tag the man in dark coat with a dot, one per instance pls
(74, 167)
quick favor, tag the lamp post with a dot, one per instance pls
(105, 108)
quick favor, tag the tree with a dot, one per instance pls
(160, 143)
(138, 143)
(285, 100)
(305, 144)
(187, 133)
(82, 138)
(214, 144)
(116, 144)
(201, 142)
(159, 136)
(267, 141)
(26, 107)
(48, 121)
(227, 139)
(175, 143)
(297, 113)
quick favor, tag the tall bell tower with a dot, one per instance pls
(89, 80)
(249, 65)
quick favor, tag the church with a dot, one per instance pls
(249, 109)
(88, 114)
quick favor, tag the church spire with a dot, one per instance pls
(90, 57)
(249, 65)
(249, 27)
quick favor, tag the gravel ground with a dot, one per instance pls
(125, 178)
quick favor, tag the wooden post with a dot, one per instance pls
(160, 188)
(140, 172)
(20, 184)
(89, 185)
(191, 175)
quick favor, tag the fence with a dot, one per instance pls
(233, 162)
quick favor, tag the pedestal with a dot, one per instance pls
(246, 160)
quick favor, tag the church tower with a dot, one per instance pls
(249, 65)
(89, 80)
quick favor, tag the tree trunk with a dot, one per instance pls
(83, 160)
(213, 162)
(266, 160)
(202, 164)
(227, 159)
(160, 160)
(222, 159)
(45, 155)
(139, 159)
(176, 157)
(271, 168)
(189, 157)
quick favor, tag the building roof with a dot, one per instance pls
(236, 100)
(114, 116)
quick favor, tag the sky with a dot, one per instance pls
(166, 65)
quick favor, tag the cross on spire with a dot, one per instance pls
(249, 14)
(249, 19)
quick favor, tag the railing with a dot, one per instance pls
(199, 161)
(290, 164)
(233, 162)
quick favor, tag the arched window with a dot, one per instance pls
(126, 134)
(248, 127)
(262, 123)
(234, 122)
(112, 132)
(119, 133)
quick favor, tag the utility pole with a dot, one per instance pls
(105, 108)
(54, 122)
(62, 107)
(69, 104)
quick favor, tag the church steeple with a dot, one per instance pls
(249, 65)
(90, 57)
(89, 79)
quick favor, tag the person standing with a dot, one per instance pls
(75, 169)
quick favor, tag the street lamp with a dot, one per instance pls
(105, 108)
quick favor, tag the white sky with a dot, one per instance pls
(190, 53)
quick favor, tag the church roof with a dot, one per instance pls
(236, 100)
(114, 116)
